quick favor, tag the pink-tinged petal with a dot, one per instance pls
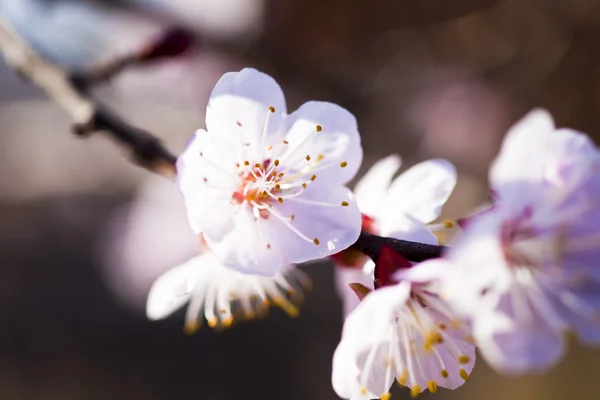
(516, 340)
(522, 156)
(207, 180)
(172, 289)
(419, 192)
(318, 214)
(372, 188)
(241, 105)
(573, 157)
(251, 246)
(328, 135)
(261, 242)
(408, 229)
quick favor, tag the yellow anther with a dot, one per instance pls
(319, 128)
(272, 109)
(276, 162)
(415, 391)
(269, 148)
(277, 187)
(212, 322)
(432, 386)
(312, 178)
(402, 378)
(444, 373)
(343, 164)
(316, 241)
(320, 157)
(304, 185)
(227, 321)
(345, 204)
(463, 374)
(285, 142)
(280, 175)
(363, 390)
(448, 224)
(463, 359)
(246, 163)
(257, 165)
(191, 327)
(279, 200)
(386, 396)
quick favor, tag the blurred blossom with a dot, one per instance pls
(460, 118)
(78, 33)
(146, 238)
(266, 189)
(526, 270)
(223, 295)
(226, 19)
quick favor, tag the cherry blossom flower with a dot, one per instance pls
(401, 209)
(222, 294)
(526, 269)
(402, 331)
(265, 188)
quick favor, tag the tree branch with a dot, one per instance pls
(371, 246)
(88, 115)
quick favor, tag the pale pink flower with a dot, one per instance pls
(404, 332)
(265, 188)
(526, 270)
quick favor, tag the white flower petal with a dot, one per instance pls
(522, 156)
(238, 109)
(405, 228)
(172, 289)
(337, 142)
(419, 192)
(372, 188)
(207, 182)
(516, 345)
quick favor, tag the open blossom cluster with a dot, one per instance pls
(265, 190)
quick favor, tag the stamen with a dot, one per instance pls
(432, 386)
(307, 157)
(312, 178)
(285, 142)
(415, 391)
(276, 163)
(319, 128)
(463, 359)
(345, 204)
(279, 200)
(272, 109)
(316, 241)
(343, 164)
(444, 373)
(463, 374)
(246, 163)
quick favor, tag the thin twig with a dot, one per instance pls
(88, 115)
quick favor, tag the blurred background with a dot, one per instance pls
(83, 232)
